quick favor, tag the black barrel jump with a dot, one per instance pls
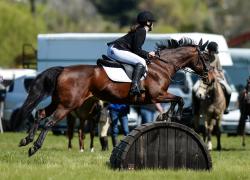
(166, 145)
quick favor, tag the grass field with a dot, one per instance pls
(54, 161)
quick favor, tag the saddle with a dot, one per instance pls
(117, 71)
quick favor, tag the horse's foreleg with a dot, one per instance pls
(92, 134)
(218, 132)
(180, 108)
(51, 121)
(170, 113)
(166, 98)
(209, 127)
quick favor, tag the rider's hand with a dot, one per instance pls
(151, 54)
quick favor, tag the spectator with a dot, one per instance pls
(118, 112)
(147, 112)
(2, 97)
(212, 48)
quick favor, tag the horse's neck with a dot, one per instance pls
(161, 70)
(179, 57)
(219, 97)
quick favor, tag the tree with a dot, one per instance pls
(181, 16)
(121, 12)
(17, 27)
(74, 16)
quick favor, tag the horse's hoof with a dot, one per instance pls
(81, 150)
(178, 118)
(23, 142)
(32, 151)
(218, 148)
(159, 117)
(92, 150)
(209, 146)
(169, 119)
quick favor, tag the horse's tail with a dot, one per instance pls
(43, 86)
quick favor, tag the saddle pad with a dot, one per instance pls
(118, 74)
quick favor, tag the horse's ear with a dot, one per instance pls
(200, 43)
(202, 48)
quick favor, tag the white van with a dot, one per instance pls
(17, 82)
(241, 61)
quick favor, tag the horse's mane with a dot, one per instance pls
(172, 43)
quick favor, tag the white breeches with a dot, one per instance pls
(125, 56)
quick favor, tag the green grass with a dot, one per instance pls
(54, 161)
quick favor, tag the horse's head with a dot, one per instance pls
(185, 53)
(206, 88)
(200, 62)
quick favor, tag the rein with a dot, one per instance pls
(177, 68)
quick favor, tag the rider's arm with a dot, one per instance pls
(139, 39)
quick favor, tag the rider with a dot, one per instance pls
(128, 49)
(212, 48)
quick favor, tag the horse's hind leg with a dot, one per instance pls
(81, 135)
(70, 133)
(58, 115)
(92, 134)
(243, 139)
(40, 115)
(30, 137)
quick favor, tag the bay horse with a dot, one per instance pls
(209, 105)
(88, 112)
(71, 86)
(244, 106)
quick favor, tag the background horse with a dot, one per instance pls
(244, 105)
(209, 105)
(71, 86)
(88, 114)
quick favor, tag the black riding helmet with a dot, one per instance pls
(144, 17)
(213, 46)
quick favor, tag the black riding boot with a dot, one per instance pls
(137, 74)
(227, 96)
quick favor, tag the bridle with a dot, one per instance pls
(177, 68)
